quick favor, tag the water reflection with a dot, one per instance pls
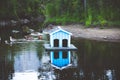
(25, 76)
(95, 61)
(26, 61)
(110, 74)
(98, 59)
(49, 72)
(46, 70)
(6, 63)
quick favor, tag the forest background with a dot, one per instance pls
(87, 12)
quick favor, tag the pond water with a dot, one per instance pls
(96, 60)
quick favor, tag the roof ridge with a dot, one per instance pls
(58, 28)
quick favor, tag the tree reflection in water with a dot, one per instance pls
(6, 63)
(96, 61)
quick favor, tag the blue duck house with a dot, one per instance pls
(59, 47)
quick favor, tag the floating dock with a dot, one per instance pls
(49, 48)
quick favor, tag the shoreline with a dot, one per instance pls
(107, 34)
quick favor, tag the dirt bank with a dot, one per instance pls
(109, 34)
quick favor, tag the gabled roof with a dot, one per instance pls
(61, 68)
(57, 30)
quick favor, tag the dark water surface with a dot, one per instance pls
(29, 61)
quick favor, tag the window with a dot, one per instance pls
(56, 43)
(65, 54)
(65, 42)
(56, 55)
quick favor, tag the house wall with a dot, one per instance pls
(60, 35)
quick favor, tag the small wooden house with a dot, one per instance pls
(59, 47)
(60, 38)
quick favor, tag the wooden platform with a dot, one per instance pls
(48, 48)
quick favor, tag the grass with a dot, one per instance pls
(88, 23)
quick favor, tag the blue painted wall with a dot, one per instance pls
(60, 62)
(60, 35)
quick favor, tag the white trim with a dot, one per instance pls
(69, 40)
(69, 56)
(51, 56)
(61, 67)
(51, 41)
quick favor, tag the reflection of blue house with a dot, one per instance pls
(59, 47)
(60, 59)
